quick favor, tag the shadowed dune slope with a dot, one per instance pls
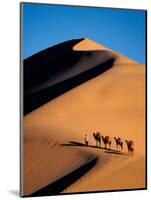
(58, 69)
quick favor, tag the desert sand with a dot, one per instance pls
(112, 102)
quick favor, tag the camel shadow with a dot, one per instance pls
(79, 144)
(111, 151)
(73, 143)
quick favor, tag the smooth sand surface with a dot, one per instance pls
(119, 173)
(112, 103)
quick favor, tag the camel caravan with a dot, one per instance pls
(107, 142)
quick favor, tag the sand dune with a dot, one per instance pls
(119, 173)
(89, 45)
(112, 103)
(64, 66)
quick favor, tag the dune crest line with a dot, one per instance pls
(61, 184)
(62, 67)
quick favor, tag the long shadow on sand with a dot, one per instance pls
(73, 143)
(61, 184)
(109, 151)
(115, 152)
(78, 144)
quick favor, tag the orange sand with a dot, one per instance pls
(113, 103)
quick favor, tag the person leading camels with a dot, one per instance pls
(86, 140)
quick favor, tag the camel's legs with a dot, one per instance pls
(132, 152)
(121, 147)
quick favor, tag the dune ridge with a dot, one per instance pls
(88, 45)
(61, 184)
(103, 176)
(65, 66)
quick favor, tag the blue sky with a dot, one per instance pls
(120, 30)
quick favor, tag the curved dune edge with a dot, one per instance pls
(112, 103)
(88, 45)
(120, 177)
(45, 161)
(62, 183)
(64, 67)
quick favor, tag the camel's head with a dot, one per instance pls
(131, 142)
(128, 141)
(98, 133)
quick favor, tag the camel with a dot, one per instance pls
(130, 147)
(106, 140)
(97, 138)
(118, 142)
